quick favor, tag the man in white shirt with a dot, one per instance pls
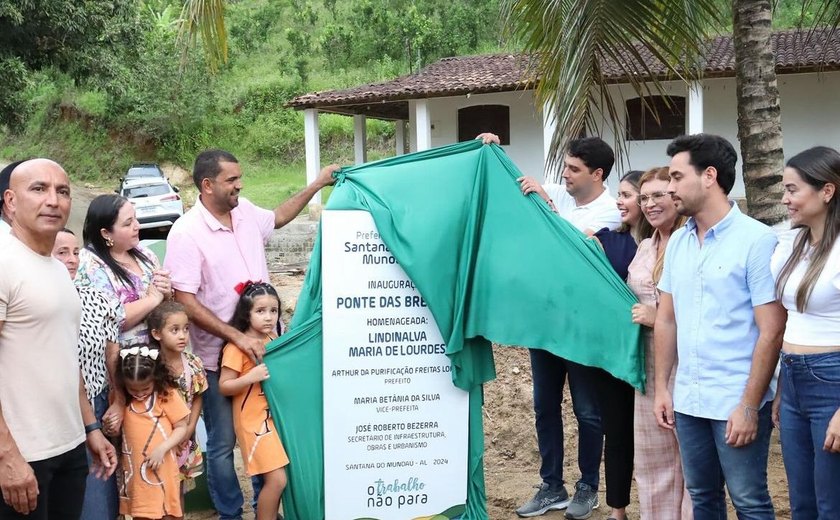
(587, 205)
(45, 417)
(585, 201)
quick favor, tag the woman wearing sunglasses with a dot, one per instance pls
(662, 493)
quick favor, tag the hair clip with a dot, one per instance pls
(242, 287)
(139, 351)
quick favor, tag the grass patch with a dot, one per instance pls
(87, 153)
(267, 185)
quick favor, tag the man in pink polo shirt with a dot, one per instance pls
(217, 244)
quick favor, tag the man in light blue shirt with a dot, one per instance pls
(719, 317)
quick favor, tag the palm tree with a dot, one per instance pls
(569, 40)
(759, 112)
(205, 18)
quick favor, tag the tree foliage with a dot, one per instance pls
(157, 99)
(83, 38)
(571, 41)
(409, 32)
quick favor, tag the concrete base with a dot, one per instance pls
(292, 244)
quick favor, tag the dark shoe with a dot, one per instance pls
(544, 501)
(583, 503)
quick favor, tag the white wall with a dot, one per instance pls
(810, 117)
(810, 111)
(526, 139)
(720, 117)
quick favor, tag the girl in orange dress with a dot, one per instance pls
(155, 423)
(169, 330)
(257, 315)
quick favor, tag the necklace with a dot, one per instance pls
(808, 251)
(661, 244)
(127, 261)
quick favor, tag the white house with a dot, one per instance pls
(457, 98)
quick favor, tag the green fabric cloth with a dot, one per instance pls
(492, 265)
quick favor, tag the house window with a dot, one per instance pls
(642, 124)
(484, 118)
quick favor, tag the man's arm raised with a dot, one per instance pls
(286, 212)
(204, 318)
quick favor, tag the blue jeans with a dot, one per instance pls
(221, 440)
(549, 375)
(810, 398)
(709, 463)
(101, 502)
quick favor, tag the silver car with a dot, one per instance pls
(156, 202)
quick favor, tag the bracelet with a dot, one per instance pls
(749, 411)
(93, 427)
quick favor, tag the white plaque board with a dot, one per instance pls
(395, 427)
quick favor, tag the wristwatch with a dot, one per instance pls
(96, 425)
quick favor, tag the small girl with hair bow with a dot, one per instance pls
(155, 423)
(257, 314)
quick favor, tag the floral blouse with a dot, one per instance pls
(193, 380)
(96, 273)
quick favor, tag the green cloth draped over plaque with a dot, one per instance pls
(492, 265)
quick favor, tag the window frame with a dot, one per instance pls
(640, 121)
(496, 119)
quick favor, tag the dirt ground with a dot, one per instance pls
(511, 461)
(81, 200)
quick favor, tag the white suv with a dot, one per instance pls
(156, 202)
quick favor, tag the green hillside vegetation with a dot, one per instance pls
(116, 88)
(147, 101)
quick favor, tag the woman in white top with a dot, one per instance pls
(807, 271)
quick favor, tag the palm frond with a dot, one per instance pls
(576, 46)
(205, 18)
(827, 17)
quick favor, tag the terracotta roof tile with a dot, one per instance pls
(795, 52)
